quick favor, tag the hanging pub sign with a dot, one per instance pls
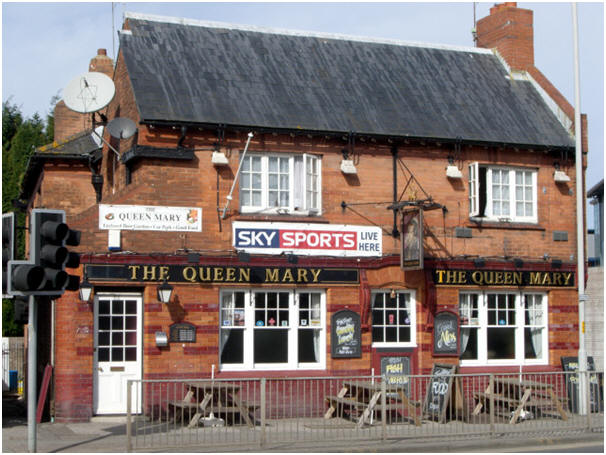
(446, 334)
(220, 274)
(346, 335)
(411, 236)
(183, 332)
(521, 278)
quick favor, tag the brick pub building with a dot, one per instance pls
(395, 181)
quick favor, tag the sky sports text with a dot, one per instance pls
(307, 240)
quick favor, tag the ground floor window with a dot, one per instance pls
(272, 329)
(503, 328)
(393, 318)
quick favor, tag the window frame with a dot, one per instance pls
(299, 182)
(519, 328)
(475, 193)
(294, 326)
(412, 315)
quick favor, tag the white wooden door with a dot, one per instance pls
(118, 351)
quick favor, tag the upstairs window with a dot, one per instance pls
(502, 193)
(281, 184)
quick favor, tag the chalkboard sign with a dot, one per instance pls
(446, 334)
(183, 332)
(396, 371)
(346, 337)
(596, 398)
(438, 392)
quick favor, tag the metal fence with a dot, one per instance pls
(266, 412)
(13, 364)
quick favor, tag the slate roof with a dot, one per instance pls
(79, 147)
(204, 73)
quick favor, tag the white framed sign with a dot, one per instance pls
(150, 218)
(307, 239)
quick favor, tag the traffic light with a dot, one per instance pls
(8, 247)
(49, 235)
(44, 273)
(21, 310)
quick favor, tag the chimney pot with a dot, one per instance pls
(102, 52)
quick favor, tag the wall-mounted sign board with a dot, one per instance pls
(183, 332)
(150, 218)
(346, 334)
(307, 239)
(446, 334)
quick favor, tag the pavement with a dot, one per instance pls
(108, 434)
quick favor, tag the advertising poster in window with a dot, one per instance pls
(346, 336)
(411, 257)
(446, 334)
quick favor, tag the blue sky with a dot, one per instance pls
(45, 45)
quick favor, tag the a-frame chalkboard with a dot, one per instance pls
(438, 392)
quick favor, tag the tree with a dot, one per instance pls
(20, 137)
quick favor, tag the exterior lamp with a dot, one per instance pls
(347, 165)
(86, 289)
(218, 158)
(560, 176)
(452, 171)
(165, 291)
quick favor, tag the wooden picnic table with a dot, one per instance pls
(514, 394)
(362, 398)
(214, 398)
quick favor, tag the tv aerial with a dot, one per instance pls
(121, 128)
(89, 92)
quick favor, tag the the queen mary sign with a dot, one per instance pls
(307, 239)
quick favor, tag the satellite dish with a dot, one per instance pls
(121, 128)
(89, 92)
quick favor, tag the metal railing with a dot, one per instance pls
(268, 411)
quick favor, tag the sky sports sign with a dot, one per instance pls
(307, 239)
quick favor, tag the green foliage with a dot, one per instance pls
(20, 137)
(9, 327)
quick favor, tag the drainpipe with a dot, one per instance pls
(394, 154)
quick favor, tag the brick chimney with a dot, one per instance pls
(509, 30)
(101, 63)
(68, 122)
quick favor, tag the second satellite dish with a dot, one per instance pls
(121, 128)
(89, 92)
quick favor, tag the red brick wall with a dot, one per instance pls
(509, 29)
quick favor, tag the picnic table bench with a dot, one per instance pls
(360, 399)
(511, 395)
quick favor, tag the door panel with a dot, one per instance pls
(118, 353)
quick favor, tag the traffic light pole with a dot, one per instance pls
(32, 360)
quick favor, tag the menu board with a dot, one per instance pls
(346, 336)
(596, 399)
(438, 391)
(183, 332)
(446, 334)
(396, 371)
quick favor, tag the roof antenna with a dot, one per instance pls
(250, 135)
(474, 30)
